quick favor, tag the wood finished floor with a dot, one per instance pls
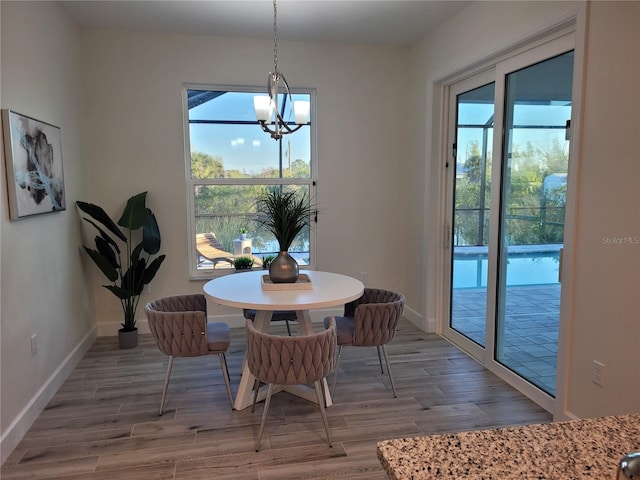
(103, 423)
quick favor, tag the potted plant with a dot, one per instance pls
(129, 268)
(266, 261)
(243, 263)
(284, 213)
(243, 233)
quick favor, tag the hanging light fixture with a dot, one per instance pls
(267, 109)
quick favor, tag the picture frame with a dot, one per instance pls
(33, 158)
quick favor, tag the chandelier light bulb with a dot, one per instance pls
(262, 104)
(301, 109)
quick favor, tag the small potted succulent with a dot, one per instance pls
(243, 263)
(266, 261)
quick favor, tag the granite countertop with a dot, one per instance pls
(589, 448)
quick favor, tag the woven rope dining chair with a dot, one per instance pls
(280, 360)
(180, 328)
(369, 321)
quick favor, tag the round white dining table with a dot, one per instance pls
(245, 290)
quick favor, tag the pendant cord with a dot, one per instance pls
(275, 36)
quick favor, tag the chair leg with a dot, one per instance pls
(264, 415)
(335, 371)
(380, 359)
(166, 383)
(225, 374)
(321, 402)
(288, 327)
(386, 359)
(256, 387)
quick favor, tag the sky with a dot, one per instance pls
(243, 147)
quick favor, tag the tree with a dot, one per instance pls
(206, 166)
(226, 209)
(472, 198)
(533, 215)
(300, 169)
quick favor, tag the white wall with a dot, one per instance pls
(43, 288)
(604, 312)
(135, 138)
(606, 319)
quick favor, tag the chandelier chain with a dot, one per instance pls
(275, 36)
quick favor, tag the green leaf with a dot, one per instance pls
(134, 212)
(132, 279)
(98, 214)
(151, 234)
(104, 235)
(152, 269)
(103, 264)
(121, 293)
(135, 255)
(104, 248)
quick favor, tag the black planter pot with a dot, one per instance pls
(128, 338)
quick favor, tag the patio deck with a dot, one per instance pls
(530, 345)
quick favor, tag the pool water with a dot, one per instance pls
(471, 271)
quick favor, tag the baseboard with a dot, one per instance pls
(110, 329)
(419, 321)
(567, 415)
(431, 325)
(236, 320)
(23, 421)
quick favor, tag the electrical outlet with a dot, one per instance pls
(365, 277)
(597, 373)
(34, 345)
(146, 288)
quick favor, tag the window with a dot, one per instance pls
(230, 161)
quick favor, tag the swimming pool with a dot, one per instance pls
(526, 265)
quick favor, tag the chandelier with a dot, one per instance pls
(269, 114)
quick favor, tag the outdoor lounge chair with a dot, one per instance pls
(210, 248)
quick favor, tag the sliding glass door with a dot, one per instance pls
(471, 169)
(509, 134)
(535, 160)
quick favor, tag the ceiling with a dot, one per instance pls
(377, 22)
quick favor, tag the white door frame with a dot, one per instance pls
(570, 28)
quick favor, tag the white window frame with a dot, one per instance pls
(203, 274)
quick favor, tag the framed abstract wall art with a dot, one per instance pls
(33, 156)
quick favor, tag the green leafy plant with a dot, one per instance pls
(284, 213)
(266, 261)
(140, 264)
(243, 263)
